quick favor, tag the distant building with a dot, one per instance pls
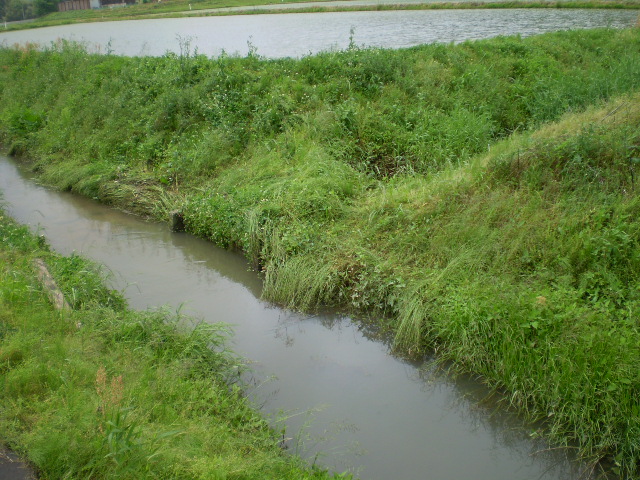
(66, 5)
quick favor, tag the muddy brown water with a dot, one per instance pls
(348, 404)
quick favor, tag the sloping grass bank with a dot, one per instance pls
(104, 392)
(426, 187)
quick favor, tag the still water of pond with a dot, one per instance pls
(299, 34)
(347, 399)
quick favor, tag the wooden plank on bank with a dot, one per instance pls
(53, 292)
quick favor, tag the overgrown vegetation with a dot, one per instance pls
(11, 10)
(425, 187)
(103, 392)
(17, 10)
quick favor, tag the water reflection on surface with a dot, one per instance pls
(344, 396)
(298, 34)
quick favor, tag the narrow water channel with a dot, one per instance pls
(349, 403)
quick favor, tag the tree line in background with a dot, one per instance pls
(12, 10)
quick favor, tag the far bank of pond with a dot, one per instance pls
(362, 180)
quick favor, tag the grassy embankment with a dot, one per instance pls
(362, 179)
(104, 392)
(191, 8)
(137, 11)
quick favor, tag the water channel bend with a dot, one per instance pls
(349, 398)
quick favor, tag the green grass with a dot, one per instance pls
(104, 392)
(479, 200)
(191, 8)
